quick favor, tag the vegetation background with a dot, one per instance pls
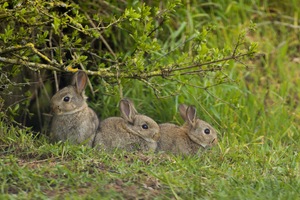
(236, 61)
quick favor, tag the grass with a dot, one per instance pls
(33, 169)
(256, 115)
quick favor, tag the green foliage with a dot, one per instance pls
(152, 45)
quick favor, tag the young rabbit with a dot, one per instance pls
(190, 137)
(131, 132)
(72, 119)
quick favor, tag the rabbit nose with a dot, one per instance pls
(214, 141)
(156, 136)
(55, 109)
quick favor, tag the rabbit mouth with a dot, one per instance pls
(58, 111)
(156, 136)
(150, 140)
(153, 139)
(205, 146)
(212, 143)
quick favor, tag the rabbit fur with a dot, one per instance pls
(131, 131)
(72, 119)
(188, 138)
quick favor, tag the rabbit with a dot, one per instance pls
(72, 119)
(188, 138)
(131, 131)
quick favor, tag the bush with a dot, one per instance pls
(141, 50)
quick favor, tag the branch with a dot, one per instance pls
(233, 57)
(100, 36)
(11, 49)
(106, 72)
(29, 64)
(30, 46)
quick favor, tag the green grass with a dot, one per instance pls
(256, 115)
(32, 168)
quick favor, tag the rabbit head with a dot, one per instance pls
(199, 131)
(72, 119)
(71, 98)
(138, 124)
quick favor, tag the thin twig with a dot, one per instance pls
(52, 56)
(75, 56)
(38, 107)
(100, 36)
(213, 62)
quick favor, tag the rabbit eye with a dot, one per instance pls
(66, 99)
(145, 126)
(206, 131)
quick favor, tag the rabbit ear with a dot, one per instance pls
(80, 81)
(128, 110)
(191, 115)
(182, 110)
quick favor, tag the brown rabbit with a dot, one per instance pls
(131, 132)
(190, 137)
(72, 119)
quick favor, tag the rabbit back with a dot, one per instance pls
(113, 133)
(132, 131)
(193, 135)
(173, 139)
